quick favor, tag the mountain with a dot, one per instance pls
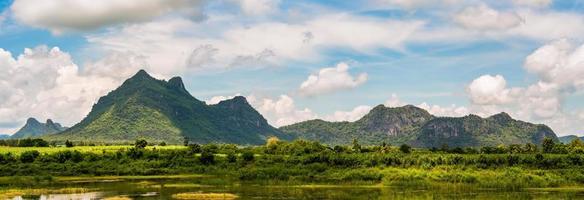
(34, 128)
(158, 110)
(4, 136)
(415, 126)
(382, 124)
(568, 138)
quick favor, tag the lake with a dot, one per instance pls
(218, 188)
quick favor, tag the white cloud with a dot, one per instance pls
(258, 7)
(489, 90)
(482, 17)
(216, 99)
(45, 83)
(329, 80)
(219, 43)
(533, 3)
(349, 116)
(394, 101)
(559, 66)
(281, 111)
(73, 15)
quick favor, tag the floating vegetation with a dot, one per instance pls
(184, 185)
(205, 196)
(118, 198)
(10, 193)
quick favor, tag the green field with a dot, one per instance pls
(82, 149)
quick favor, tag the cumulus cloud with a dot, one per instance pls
(488, 90)
(447, 111)
(482, 17)
(216, 99)
(332, 79)
(559, 68)
(45, 83)
(72, 15)
(349, 116)
(415, 4)
(281, 111)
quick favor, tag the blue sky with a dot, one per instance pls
(300, 60)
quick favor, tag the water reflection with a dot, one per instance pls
(164, 189)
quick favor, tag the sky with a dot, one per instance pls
(296, 60)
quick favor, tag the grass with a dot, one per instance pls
(200, 195)
(82, 149)
(118, 198)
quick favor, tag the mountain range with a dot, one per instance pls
(34, 128)
(568, 138)
(159, 110)
(415, 126)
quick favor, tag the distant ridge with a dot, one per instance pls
(568, 138)
(415, 126)
(34, 128)
(157, 110)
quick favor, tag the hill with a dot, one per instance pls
(34, 128)
(158, 110)
(415, 126)
(568, 138)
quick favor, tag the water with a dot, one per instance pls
(165, 188)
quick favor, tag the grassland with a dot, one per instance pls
(82, 149)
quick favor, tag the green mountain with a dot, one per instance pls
(415, 126)
(157, 110)
(34, 128)
(568, 138)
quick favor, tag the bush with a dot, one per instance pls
(141, 144)
(68, 144)
(404, 148)
(29, 156)
(195, 148)
(207, 158)
(162, 144)
(247, 156)
(231, 158)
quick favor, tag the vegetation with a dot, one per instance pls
(416, 127)
(163, 111)
(503, 166)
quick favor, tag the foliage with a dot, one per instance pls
(404, 148)
(141, 144)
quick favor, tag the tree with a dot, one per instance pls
(186, 141)
(231, 158)
(207, 158)
(68, 143)
(548, 145)
(195, 148)
(272, 142)
(141, 144)
(356, 146)
(162, 144)
(404, 148)
(530, 148)
(29, 156)
(247, 156)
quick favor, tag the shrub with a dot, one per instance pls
(194, 148)
(231, 158)
(68, 144)
(141, 144)
(207, 158)
(247, 156)
(29, 156)
(404, 148)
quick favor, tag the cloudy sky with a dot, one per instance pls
(300, 59)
